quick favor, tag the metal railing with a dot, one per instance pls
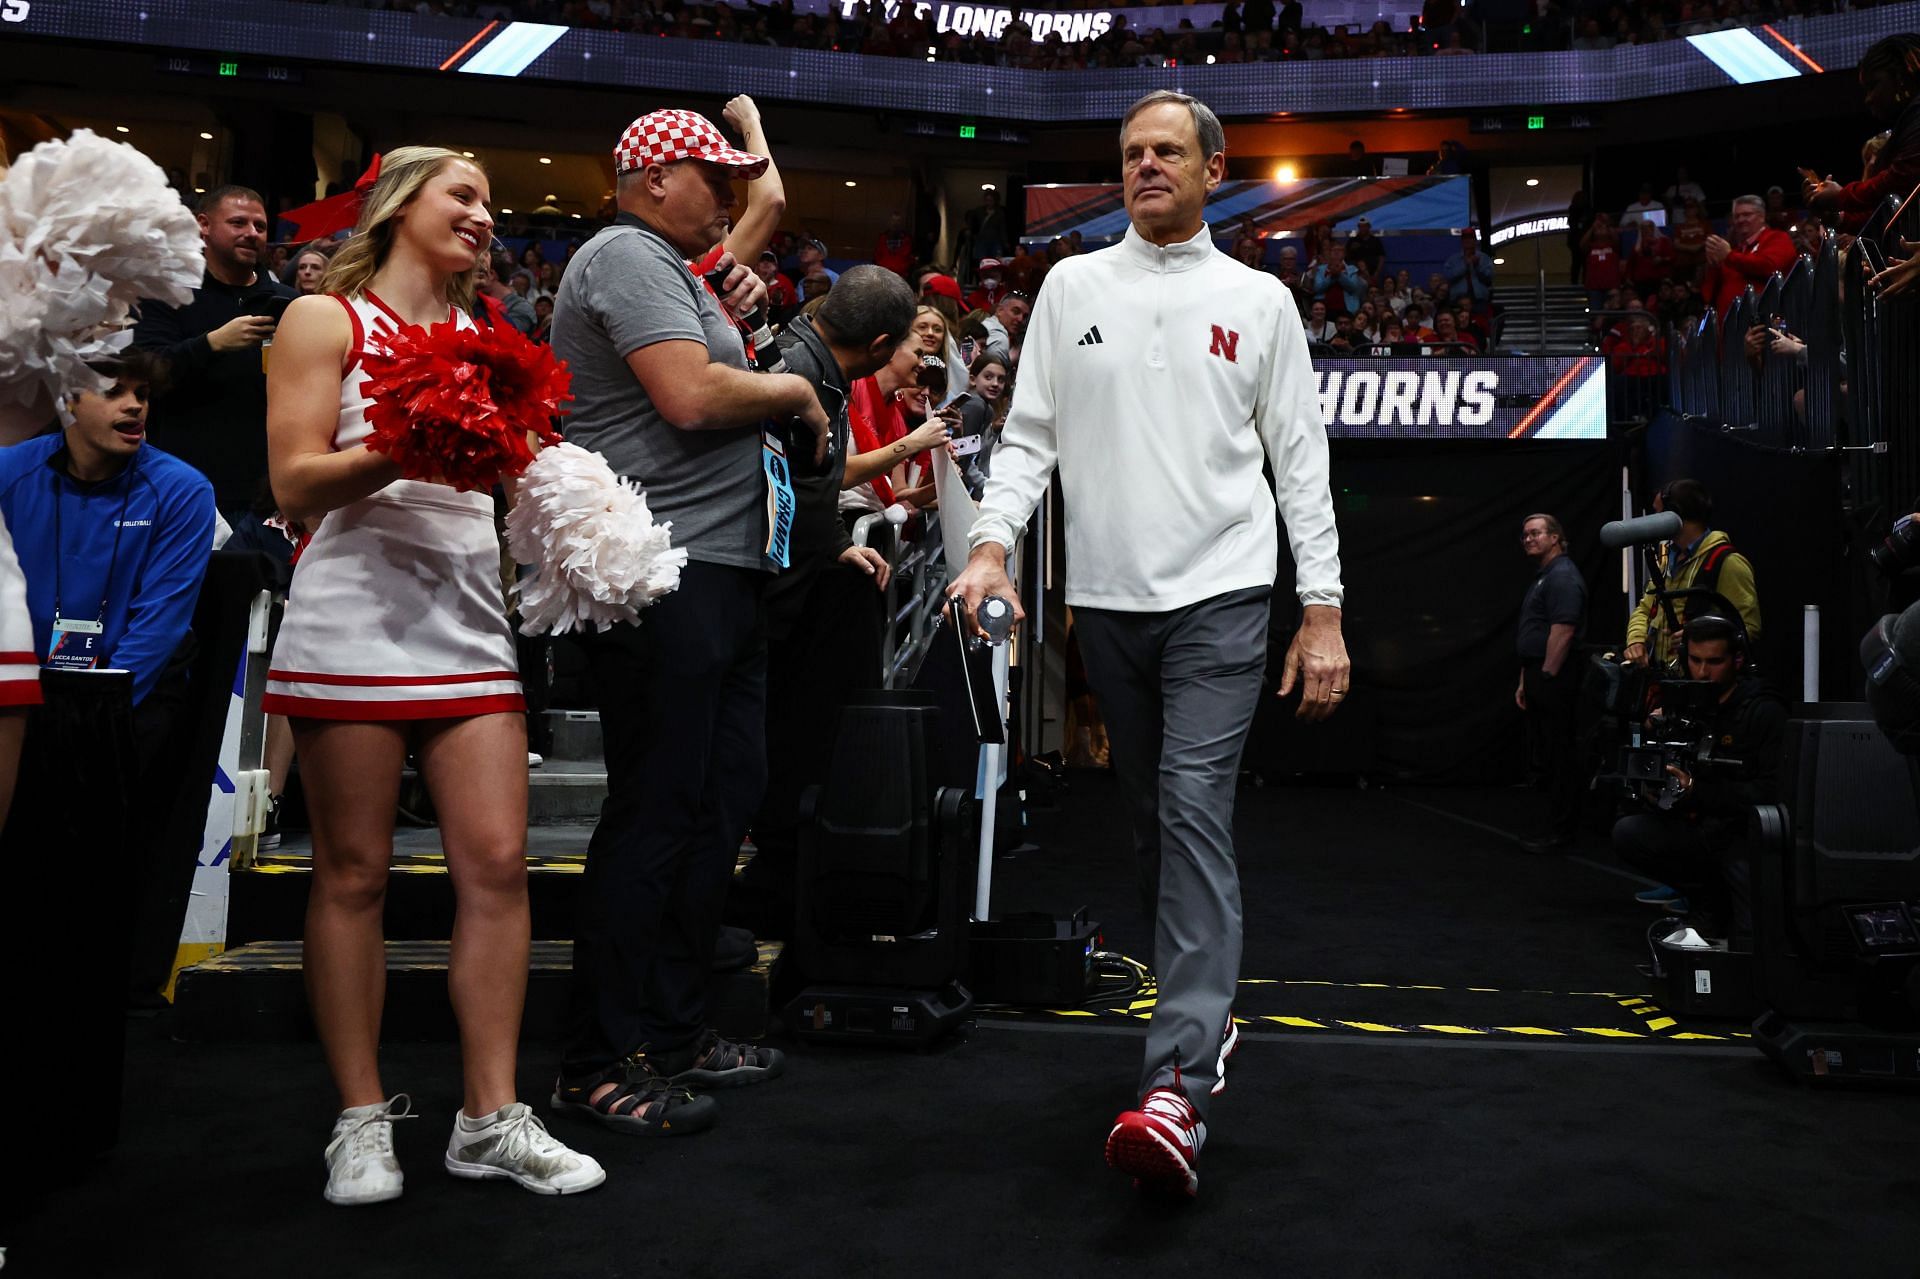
(1847, 379)
(913, 597)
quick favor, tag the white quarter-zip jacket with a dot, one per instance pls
(1156, 380)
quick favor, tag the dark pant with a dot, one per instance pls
(1552, 744)
(683, 710)
(1706, 860)
(1179, 690)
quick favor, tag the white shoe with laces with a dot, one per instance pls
(361, 1167)
(513, 1144)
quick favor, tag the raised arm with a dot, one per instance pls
(766, 194)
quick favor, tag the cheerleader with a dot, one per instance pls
(396, 638)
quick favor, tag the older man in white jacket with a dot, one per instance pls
(1156, 376)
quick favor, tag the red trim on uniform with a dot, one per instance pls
(386, 310)
(20, 692)
(359, 335)
(394, 315)
(390, 681)
(26, 657)
(446, 708)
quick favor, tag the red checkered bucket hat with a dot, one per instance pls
(661, 137)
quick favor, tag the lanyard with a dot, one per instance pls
(59, 546)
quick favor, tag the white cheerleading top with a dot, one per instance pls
(396, 609)
(19, 663)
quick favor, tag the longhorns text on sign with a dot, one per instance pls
(992, 20)
(1477, 397)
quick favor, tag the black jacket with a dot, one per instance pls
(819, 534)
(214, 413)
(1750, 727)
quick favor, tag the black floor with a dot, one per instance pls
(1336, 1151)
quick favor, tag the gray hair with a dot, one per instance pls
(865, 304)
(1754, 201)
(1213, 138)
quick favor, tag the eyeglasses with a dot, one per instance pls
(1530, 534)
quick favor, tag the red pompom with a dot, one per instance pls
(456, 405)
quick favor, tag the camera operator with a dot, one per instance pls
(1729, 761)
(1700, 558)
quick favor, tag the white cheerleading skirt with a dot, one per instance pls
(19, 662)
(396, 613)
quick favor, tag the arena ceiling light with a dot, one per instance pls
(205, 136)
(1533, 182)
(852, 183)
(546, 159)
(988, 186)
(121, 128)
(1286, 172)
(1743, 56)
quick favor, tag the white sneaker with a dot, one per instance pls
(534, 759)
(361, 1168)
(514, 1144)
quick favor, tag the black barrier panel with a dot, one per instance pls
(1782, 373)
(1824, 340)
(1736, 376)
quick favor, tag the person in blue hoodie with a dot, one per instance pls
(113, 537)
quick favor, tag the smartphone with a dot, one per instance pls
(959, 401)
(269, 305)
(968, 445)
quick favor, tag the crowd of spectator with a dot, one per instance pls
(1248, 30)
(1353, 301)
(1663, 262)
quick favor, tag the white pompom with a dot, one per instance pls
(601, 557)
(88, 229)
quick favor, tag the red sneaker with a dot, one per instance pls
(1159, 1144)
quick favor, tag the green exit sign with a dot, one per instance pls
(229, 68)
(1536, 122)
(967, 131)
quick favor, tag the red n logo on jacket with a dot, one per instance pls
(1225, 342)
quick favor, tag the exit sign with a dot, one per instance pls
(1536, 122)
(968, 131)
(229, 68)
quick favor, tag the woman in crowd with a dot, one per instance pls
(930, 331)
(542, 319)
(396, 639)
(1366, 322)
(531, 261)
(1690, 241)
(308, 266)
(549, 282)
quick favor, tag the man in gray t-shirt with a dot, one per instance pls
(625, 290)
(662, 388)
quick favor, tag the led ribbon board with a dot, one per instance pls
(1478, 398)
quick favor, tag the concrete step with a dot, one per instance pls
(268, 900)
(566, 791)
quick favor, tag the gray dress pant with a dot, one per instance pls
(1178, 691)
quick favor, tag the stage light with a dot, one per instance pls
(199, 190)
(852, 183)
(1285, 172)
(576, 215)
(988, 186)
(506, 211)
(205, 136)
(546, 160)
(1533, 182)
(1496, 261)
(121, 128)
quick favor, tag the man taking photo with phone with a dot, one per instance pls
(214, 413)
